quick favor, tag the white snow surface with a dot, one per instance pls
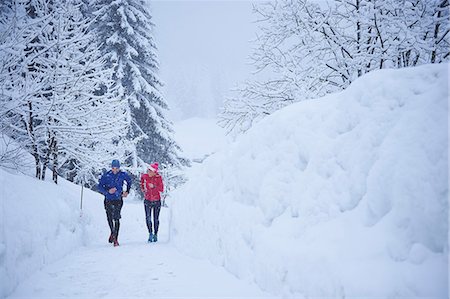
(41, 223)
(342, 196)
(48, 249)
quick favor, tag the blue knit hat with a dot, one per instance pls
(115, 163)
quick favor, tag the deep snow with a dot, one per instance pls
(40, 223)
(340, 196)
(134, 269)
(49, 249)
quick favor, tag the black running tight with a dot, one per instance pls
(114, 226)
(156, 207)
(113, 208)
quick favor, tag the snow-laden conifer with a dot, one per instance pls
(125, 30)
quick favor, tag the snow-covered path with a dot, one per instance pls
(135, 269)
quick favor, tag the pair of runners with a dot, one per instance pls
(111, 186)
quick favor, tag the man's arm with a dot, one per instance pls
(101, 185)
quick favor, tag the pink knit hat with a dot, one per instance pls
(153, 167)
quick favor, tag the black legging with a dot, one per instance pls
(114, 225)
(156, 207)
(113, 209)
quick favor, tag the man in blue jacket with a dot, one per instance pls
(111, 185)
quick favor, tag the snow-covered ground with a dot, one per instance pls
(341, 196)
(344, 196)
(134, 269)
(41, 222)
(48, 249)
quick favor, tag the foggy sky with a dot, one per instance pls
(203, 48)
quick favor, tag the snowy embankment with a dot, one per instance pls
(40, 222)
(341, 196)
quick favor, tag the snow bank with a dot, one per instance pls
(341, 196)
(40, 222)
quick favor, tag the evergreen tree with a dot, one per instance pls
(125, 29)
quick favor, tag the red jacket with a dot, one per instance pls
(152, 194)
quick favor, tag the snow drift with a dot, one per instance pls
(40, 222)
(341, 196)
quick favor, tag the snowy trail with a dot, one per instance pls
(135, 269)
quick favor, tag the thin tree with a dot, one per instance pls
(307, 49)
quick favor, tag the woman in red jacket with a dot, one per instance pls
(152, 185)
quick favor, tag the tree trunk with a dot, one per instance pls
(55, 161)
(50, 146)
(38, 166)
(358, 34)
(44, 169)
(34, 148)
(443, 4)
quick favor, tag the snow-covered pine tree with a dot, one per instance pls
(125, 29)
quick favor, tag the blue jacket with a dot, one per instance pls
(110, 180)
